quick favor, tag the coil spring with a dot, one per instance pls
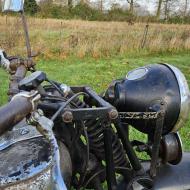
(95, 131)
(96, 139)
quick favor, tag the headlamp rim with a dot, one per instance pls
(184, 96)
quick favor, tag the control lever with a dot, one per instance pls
(33, 81)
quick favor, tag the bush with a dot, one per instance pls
(179, 20)
(49, 10)
(117, 14)
(30, 7)
(85, 12)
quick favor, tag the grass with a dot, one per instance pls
(99, 73)
(64, 38)
(95, 53)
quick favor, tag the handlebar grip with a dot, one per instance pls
(13, 112)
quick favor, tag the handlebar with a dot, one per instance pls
(18, 68)
(15, 79)
(13, 112)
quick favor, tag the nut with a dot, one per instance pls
(113, 114)
(67, 117)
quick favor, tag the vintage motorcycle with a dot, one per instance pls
(54, 136)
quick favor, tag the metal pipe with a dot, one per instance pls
(156, 145)
(14, 112)
(110, 168)
(45, 126)
(135, 163)
(25, 27)
(15, 79)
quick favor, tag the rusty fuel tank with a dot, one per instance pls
(25, 160)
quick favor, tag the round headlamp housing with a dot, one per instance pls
(152, 88)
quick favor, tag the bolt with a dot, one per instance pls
(113, 114)
(67, 117)
(40, 112)
(162, 113)
(36, 116)
(162, 103)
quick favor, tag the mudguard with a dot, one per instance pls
(174, 177)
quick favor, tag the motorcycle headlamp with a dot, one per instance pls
(150, 89)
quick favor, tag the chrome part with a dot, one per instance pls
(185, 97)
(44, 126)
(18, 135)
(66, 89)
(5, 63)
(137, 73)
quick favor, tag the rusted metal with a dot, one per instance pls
(15, 79)
(67, 117)
(17, 135)
(18, 68)
(138, 115)
(41, 181)
(26, 165)
(14, 112)
(45, 126)
(16, 62)
(113, 114)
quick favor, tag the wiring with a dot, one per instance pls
(65, 104)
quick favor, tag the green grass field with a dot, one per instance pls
(98, 73)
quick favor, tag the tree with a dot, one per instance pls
(169, 8)
(30, 7)
(0, 3)
(159, 9)
(185, 8)
(70, 4)
(131, 6)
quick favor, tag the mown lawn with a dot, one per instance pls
(99, 73)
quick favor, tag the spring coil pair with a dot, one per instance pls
(95, 130)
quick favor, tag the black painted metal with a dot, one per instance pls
(110, 168)
(146, 94)
(135, 163)
(156, 144)
(172, 177)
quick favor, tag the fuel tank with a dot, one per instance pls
(25, 160)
